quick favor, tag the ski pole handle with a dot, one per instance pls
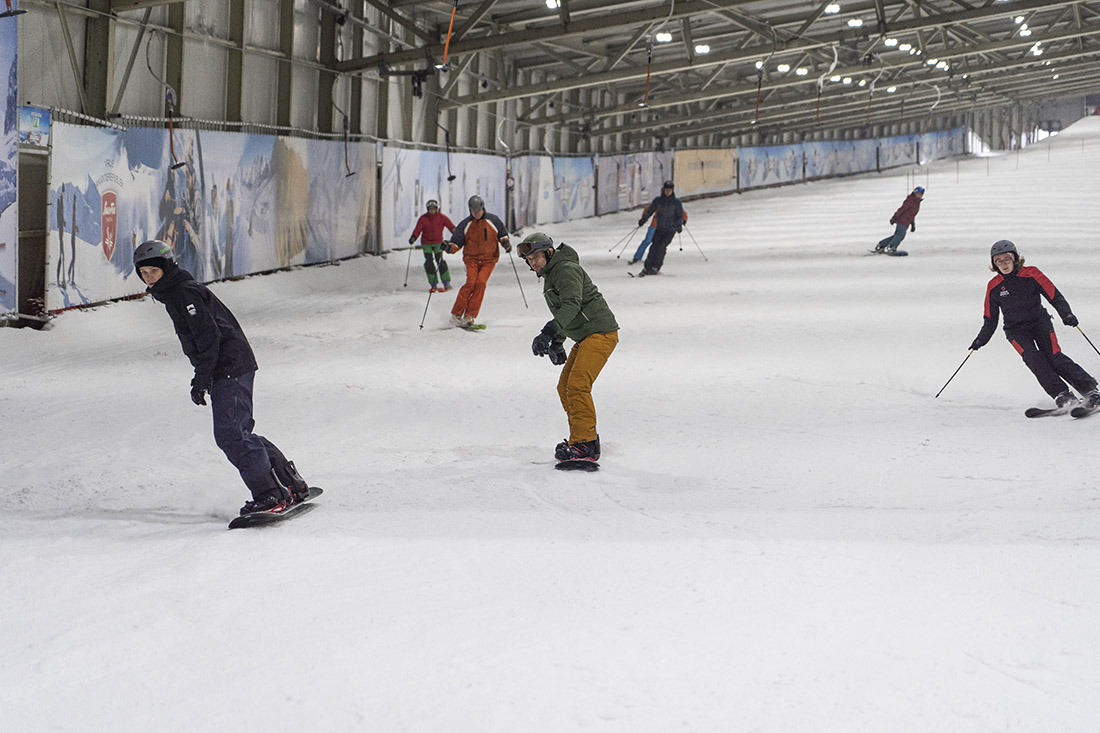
(969, 354)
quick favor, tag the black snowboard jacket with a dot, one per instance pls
(209, 334)
(1017, 296)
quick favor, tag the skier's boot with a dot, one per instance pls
(445, 287)
(1066, 400)
(1092, 399)
(272, 501)
(632, 262)
(582, 451)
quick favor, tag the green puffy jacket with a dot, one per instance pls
(579, 309)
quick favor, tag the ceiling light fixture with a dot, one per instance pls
(832, 8)
(855, 22)
(891, 42)
(702, 48)
(663, 37)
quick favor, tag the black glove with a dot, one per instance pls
(976, 345)
(892, 220)
(1070, 320)
(557, 353)
(412, 239)
(198, 392)
(641, 222)
(541, 345)
(913, 227)
(679, 229)
(507, 247)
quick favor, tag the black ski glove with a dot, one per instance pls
(641, 222)
(412, 239)
(198, 392)
(976, 345)
(541, 345)
(1070, 320)
(557, 353)
(893, 221)
(913, 227)
(507, 247)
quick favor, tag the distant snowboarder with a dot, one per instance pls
(904, 218)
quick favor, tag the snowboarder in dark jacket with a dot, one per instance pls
(904, 218)
(224, 367)
(1015, 291)
(669, 213)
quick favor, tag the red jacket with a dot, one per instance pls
(431, 227)
(907, 212)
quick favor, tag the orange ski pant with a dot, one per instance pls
(472, 291)
(584, 364)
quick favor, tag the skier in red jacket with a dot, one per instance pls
(429, 227)
(904, 218)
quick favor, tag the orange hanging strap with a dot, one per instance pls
(447, 45)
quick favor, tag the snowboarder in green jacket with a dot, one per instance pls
(582, 314)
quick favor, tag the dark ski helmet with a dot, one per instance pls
(919, 189)
(535, 242)
(1000, 247)
(669, 184)
(154, 253)
(476, 202)
(432, 203)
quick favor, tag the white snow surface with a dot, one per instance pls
(789, 533)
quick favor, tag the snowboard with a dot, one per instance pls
(264, 518)
(577, 465)
(888, 253)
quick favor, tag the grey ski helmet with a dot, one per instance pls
(432, 203)
(1001, 246)
(476, 203)
(535, 242)
(153, 253)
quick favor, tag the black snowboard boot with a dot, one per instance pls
(273, 500)
(562, 450)
(288, 477)
(588, 450)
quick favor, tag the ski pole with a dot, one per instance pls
(426, 310)
(513, 259)
(407, 266)
(624, 241)
(696, 244)
(953, 375)
(1089, 340)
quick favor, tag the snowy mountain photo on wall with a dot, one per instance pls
(9, 153)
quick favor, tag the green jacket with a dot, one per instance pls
(579, 309)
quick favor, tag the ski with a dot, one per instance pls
(260, 519)
(1045, 411)
(473, 327)
(1083, 410)
(581, 464)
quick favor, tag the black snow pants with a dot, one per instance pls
(1038, 347)
(656, 256)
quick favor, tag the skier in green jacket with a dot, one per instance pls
(582, 314)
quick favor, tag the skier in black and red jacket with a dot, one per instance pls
(1015, 291)
(904, 218)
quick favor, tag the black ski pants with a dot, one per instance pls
(1038, 347)
(656, 256)
(252, 455)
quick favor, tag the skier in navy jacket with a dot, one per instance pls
(669, 213)
(1015, 291)
(225, 367)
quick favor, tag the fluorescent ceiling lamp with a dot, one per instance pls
(855, 22)
(760, 64)
(801, 71)
(891, 42)
(832, 8)
(905, 47)
(834, 77)
(1055, 76)
(1025, 32)
(863, 82)
(553, 4)
(847, 80)
(891, 90)
(663, 37)
(931, 62)
(702, 48)
(1019, 19)
(783, 68)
